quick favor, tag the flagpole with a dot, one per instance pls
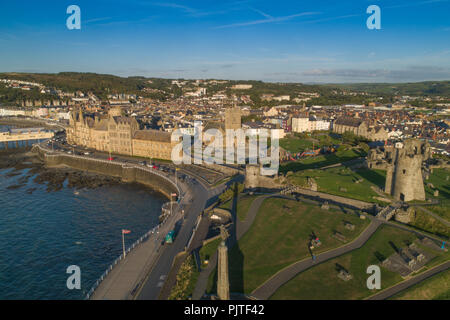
(123, 243)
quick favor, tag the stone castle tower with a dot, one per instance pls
(404, 179)
(233, 118)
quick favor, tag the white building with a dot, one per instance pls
(11, 113)
(242, 86)
(309, 124)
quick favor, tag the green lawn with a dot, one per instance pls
(279, 237)
(227, 205)
(435, 288)
(243, 206)
(332, 181)
(321, 282)
(439, 180)
(207, 251)
(322, 160)
(443, 211)
(424, 221)
(295, 145)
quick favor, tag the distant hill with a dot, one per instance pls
(103, 84)
(426, 88)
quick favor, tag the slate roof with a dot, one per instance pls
(152, 135)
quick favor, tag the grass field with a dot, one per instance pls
(207, 251)
(435, 288)
(442, 211)
(321, 282)
(296, 144)
(243, 206)
(280, 236)
(322, 160)
(439, 180)
(426, 222)
(333, 179)
(227, 205)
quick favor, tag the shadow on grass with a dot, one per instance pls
(373, 176)
(235, 256)
(330, 159)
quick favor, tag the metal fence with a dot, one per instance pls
(121, 257)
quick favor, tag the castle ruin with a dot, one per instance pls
(403, 164)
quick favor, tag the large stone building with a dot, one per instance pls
(360, 128)
(118, 134)
(309, 124)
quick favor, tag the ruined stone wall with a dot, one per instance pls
(351, 203)
(254, 179)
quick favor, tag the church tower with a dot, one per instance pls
(233, 118)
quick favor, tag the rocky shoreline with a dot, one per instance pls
(54, 178)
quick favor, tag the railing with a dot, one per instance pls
(142, 238)
(121, 257)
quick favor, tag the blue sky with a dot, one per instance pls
(285, 41)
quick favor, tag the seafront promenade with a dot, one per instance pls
(125, 278)
(142, 272)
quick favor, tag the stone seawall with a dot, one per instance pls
(127, 172)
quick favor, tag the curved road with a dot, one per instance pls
(155, 280)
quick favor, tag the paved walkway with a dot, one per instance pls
(126, 275)
(389, 292)
(243, 226)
